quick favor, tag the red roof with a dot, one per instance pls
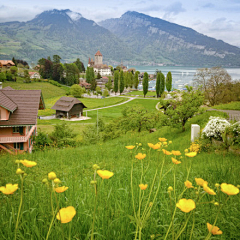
(98, 53)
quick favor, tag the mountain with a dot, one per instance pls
(159, 41)
(134, 38)
(60, 32)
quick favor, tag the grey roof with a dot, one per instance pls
(27, 101)
(66, 104)
(7, 103)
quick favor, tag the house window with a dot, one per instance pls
(16, 129)
(18, 146)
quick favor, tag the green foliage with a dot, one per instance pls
(56, 59)
(228, 106)
(158, 84)
(14, 70)
(9, 76)
(99, 75)
(41, 141)
(145, 84)
(76, 91)
(3, 77)
(98, 90)
(108, 85)
(121, 82)
(116, 78)
(162, 84)
(169, 81)
(55, 83)
(105, 93)
(136, 81)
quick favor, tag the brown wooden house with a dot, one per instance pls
(68, 107)
(6, 63)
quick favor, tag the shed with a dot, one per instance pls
(68, 107)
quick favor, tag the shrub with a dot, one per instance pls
(55, 83)
(76, 90)
(41, 141)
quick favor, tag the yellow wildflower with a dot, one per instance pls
(186, 205)
(27, 163)
(57, 180)
(214, 230)
(156, 146)
(19, 171)
(186, 150)
(194, 147)
(66, 214)
(188, 184)
(175, 161)
(170, 142)
(140, 156)
(200, 181)
(61, 189)
(229, 189)
(176, 153)
(52, 175)
(164, 143)
(105, 174)
(162, 139)
(191, 154)
(143, 186)
(166, 152)
(150, 145)
(9, 189)
(208, 189)
(130, 147)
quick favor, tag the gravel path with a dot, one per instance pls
(233, 114)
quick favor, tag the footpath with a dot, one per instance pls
(233, 114)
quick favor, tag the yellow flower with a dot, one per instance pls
(194, 147)
(19, 171)
(170, 142)
(140, 156)
(52, 175)
(166, 152)
(188, 184)
(208, 189)
(150, 145)
(191, 154)
(156, 146)
(66, 214)
(143, 186)
(27, 163)
(229, 189)
(9, 189)
(186, 205)
(162, 139)
(175, 161)
(170, 189)
(200, 181)
(214, 230)
(164, 143)
(104, 174)
(186, 150)
(176, 153)
(61, 189)
(57, 180)
(130, 147)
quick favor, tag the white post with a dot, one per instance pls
(195, 132)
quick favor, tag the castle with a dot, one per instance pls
(98, 65)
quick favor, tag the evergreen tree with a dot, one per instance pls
(116, 77)
(158, 84)
(14, 61)
(121, 84)
(162, 84)
(136, 81)
(145, 83)
(130, 79)
(169, 82)
(108, 85)
(79, 64)
(56, 59)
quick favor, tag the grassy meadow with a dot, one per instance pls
(228, 106)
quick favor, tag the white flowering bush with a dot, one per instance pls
(215, 128)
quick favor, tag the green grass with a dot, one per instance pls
(140, 93)
(228, 106)
(114, 202)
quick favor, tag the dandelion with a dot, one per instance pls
(27, 163)
(162, 139)
(143, 186)
(61, 189)
(166, 152)
(130, 147)
(229, 189)
(176, 153)
(175, 161)
(9, 189)
(104, 174)
(188, 184)
(52, 175)
(200, 181)
(191, 154)
(214, 230)
(186, 205)
(66, 215)
(140, 156)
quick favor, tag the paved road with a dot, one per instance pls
(233, 114)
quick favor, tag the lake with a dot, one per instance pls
(181, 76)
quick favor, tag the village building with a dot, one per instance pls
(83, 83)
(68, 107)
(6, 63)
(34, 75)
(18, 118)
(98, 66)
(102, 81)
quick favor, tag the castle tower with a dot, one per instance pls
(98, 58)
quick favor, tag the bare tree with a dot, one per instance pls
(214, 82)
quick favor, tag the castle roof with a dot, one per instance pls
(98, 53)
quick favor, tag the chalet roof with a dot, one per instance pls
(28, 102)
(5, 62)
(7, 103)
(98, 53)
(66, 104)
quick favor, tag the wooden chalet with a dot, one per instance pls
(68, 107)
(6, 63)
(18, 118)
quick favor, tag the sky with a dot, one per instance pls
(219, 19)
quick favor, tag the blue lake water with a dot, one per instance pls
(181, 76)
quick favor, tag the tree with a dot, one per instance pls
(98, 90)
(162, 84)
(56, 59)
(169, 81)
(145, 83)
(14, 61)
(116, 77)
(136, 81)
(213, 82)
(14, 70)
(57, 74)
(108, 85)
(76, 90)
(158, 84)
(2, 77)
(93, 85)
(71, 74)
(99, 75)
(121, 82)
(105, 93)
(79, 65)
(9, 76)
(180, 110)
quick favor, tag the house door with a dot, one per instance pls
(18, 146)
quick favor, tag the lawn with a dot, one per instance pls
(140, 93)
(114, 212)
(228, 106)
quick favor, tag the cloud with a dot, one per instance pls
(208, 5)
(173, 10)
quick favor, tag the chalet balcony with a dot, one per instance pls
(12, 139)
